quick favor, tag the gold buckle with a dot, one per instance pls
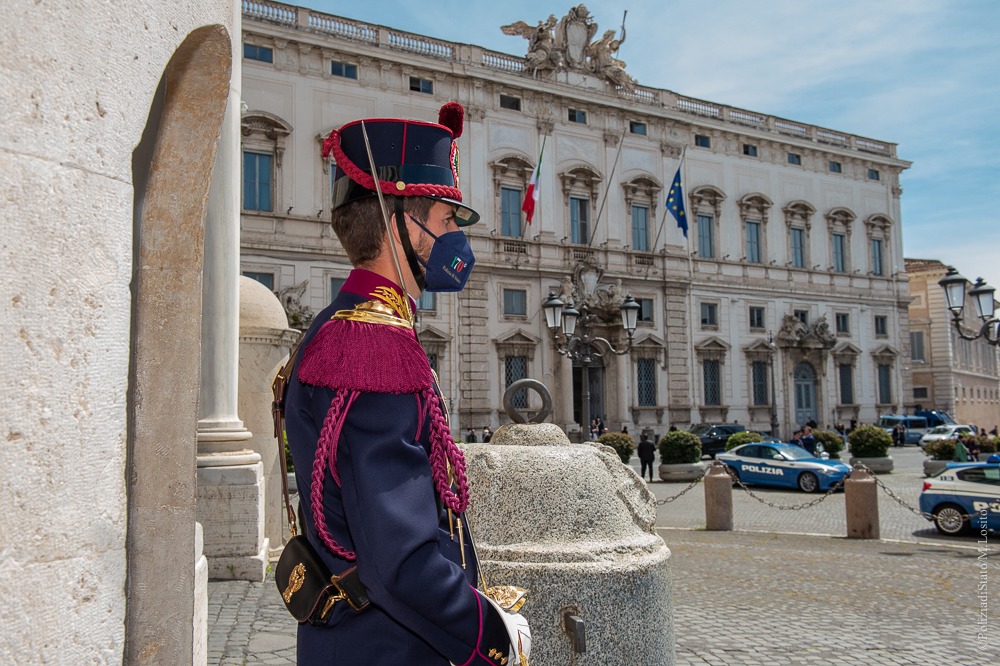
(328, 606)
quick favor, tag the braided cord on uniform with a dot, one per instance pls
(326, 456)
(445, 451)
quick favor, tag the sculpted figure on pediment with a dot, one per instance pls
(542, 55)
(602, 61)
(821, 329)
(792, 330)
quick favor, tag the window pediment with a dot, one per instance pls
(517, 343)
(707, 197)
(712, 349)
(271, 126)
(644, 187)
(582, 178)
(511, 168)
(754, 206)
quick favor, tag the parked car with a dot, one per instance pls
(916, 426)
(714, 436)
(783, 465)
(945, 432)
(962, 491)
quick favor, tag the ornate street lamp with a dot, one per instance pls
(955, 286)
(572, 332)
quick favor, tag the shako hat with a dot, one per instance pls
(412, 158)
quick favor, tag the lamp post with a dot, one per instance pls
(774, 407)
(955, 286)
(572, 332)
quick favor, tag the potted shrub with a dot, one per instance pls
(745, 437)
(623, 444)
(680, 456)
(987, 446)
(869, 445)
(941, 453)
(833, 442)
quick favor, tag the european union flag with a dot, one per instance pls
(675, 202)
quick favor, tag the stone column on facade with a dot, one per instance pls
(680, 354)
(474, 409)
(230, 475)
(265, 341)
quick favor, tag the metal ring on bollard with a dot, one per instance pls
(540, 389)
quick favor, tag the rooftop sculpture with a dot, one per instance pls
(568, 45)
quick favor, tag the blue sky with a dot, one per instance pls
(924, 74)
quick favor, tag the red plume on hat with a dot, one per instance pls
(452, 116)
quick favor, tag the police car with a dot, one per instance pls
(776, 464)
(961, 491)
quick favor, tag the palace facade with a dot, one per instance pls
(961, 377)
(786, 301)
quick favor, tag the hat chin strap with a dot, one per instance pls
(411, 256)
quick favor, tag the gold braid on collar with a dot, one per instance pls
(391, 309)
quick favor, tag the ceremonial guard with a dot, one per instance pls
(382, 484)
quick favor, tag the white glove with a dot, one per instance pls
(519, 633)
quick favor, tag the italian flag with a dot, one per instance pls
(531, 196)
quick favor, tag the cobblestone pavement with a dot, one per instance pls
(770, 599)
(769, 593)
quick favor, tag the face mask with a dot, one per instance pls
(450, 262)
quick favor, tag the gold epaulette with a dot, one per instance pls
(374, 312)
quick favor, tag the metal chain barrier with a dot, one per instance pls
(899, 500)
(694, 483)
(792, 507)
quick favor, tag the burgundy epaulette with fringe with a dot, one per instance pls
(362, 356)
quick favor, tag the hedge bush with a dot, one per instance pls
(744, 437)
(678, 447)
(623, 444)
(869, 441)
(832, 442)
(942, 449)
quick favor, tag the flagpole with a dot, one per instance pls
(537, 178)
(597, 221)
(663, 219)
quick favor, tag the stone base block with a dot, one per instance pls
(625, 602)
(246, 567)
(200, 651)
(877, 465)
(682, 472)
(231, 510)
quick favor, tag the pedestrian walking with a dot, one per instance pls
(646, 451)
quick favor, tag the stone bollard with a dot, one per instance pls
(718, 499)
(861, 499)
(576, 528)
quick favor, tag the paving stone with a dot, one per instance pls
(767, 594)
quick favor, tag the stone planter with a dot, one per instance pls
(932, 467)
(881, 465)
(682, 472)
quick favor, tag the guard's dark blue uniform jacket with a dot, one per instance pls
(424, 610)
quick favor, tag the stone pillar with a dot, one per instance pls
(199, 655)
(861, 501)
(718, 499)
(265, 341)
(230, 476)
(585, 547)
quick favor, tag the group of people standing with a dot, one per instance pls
(471, 438)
